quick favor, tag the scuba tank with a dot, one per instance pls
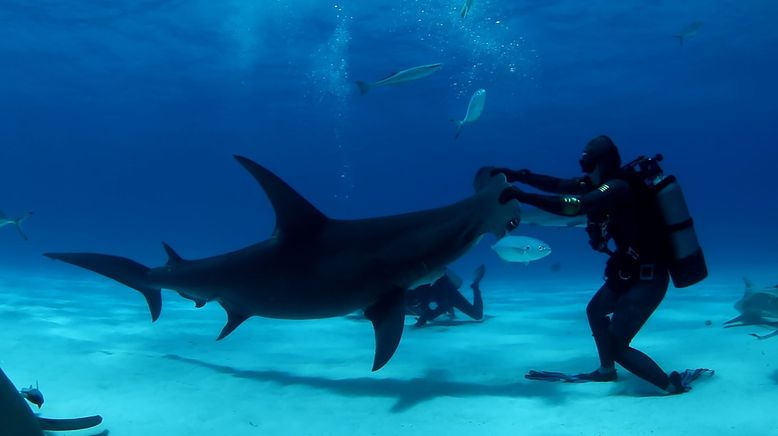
(686, 262)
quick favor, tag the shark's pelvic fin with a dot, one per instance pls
(388, 318)
(296, 217)
(234, 319)
(123, 270)
(172, 257)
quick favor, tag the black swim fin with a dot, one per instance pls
(682, 381)
(552, 376)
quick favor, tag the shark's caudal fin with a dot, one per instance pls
(680, 39)
(125, 271)
(296, 217)
(460, 125)
(363, 87)
(388, 318)
(18, 222)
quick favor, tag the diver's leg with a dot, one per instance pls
(475, 310)
(632, 311)
(602, 304)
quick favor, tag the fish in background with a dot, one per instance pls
(17, 222)
(474, 110)
(465, 8)
(523, 249)
(755, 307)
(690, 30)
(411, 74)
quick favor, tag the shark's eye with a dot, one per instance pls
(541, 248)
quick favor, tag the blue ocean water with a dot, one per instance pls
(120, 119)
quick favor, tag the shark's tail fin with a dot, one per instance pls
(465, 9)
(125, 271)
(363, 87)
(680, 39)
(18, 223)
(459, 125)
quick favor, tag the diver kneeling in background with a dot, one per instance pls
(430, 301)
(645, 215)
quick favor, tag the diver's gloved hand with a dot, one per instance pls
(512, 193)
(512, 176)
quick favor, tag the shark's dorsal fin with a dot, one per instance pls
(296, 217)
(749, 285)
(172, 257)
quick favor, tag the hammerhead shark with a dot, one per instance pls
(316, 267)
(755, 307)
(16, 418)
(5, 221)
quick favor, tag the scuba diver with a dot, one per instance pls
(430, 301)
(644, 215)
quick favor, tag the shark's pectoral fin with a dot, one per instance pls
(388, 318)
(49, 424)
(234, 319)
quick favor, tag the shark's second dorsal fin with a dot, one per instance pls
(296, 217)
(172, 257)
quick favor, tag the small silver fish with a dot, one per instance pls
(474, 110)
(414, 73)
(521, 249)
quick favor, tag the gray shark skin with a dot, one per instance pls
(16, 418)
(316, 267)
(5, 221)
(756, 306)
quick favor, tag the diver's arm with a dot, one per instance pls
(602, 198)
(554, 185)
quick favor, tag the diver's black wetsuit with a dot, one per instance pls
(636, 275)
(444, 294)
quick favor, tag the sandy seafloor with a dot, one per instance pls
(91, 346)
